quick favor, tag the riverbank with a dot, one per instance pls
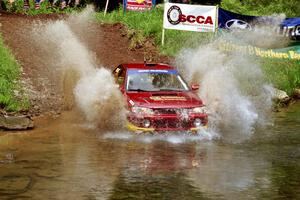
(12, 96)
(142, 28)
(14, 101)
(113, 32)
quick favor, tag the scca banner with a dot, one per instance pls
(289, 27)
(139, 5)
(190, 17)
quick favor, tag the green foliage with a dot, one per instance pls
(284, 74)
(11, 93)
(177, 40)
(45, 8)
(290, 8)
(149, 24)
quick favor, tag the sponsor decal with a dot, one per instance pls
(296, 31)
(196, 19)
(174, 14)
(285, 53)
(288, 27)
(235, 24)
(292, 32)
(131, 102)
(168, 98)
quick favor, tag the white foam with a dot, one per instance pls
(232, 86)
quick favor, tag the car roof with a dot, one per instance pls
(146, 66)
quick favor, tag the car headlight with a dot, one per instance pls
(142, 110)
(199, 110)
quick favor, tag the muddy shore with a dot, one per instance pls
(45, 86)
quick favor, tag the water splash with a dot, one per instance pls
(100, 99)
(233, 87)
(265, 33)
(86, 85)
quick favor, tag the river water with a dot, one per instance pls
(63, 159)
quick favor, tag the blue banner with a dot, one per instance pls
(289, 27)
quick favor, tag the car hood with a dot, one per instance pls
(164, 99)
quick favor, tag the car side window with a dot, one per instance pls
(119, 75)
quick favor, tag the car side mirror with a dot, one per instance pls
(195, 86)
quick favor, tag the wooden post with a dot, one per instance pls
(217, 20)
(163, 37)
(163, 30)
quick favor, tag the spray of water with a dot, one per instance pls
(265, 33)
(99, 99)
(89, 87)
(232, 85)
(174, 138)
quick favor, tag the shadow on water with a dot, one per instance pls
(63, 159)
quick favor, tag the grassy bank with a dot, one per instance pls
(140, 26)
(149, 24)
(11, 94)
(283, 74)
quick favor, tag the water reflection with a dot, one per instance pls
(129, 185)
(63, 160)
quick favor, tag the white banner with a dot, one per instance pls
(190, 17)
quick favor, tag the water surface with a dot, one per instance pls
(63, 159)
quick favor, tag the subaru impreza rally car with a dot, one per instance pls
(158, 99)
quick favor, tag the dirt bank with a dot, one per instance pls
(46, 94)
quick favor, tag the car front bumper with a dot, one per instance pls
(165, 123)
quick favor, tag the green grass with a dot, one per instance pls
(149, 25)
(283, 74)
(9, 82)
(290, 8)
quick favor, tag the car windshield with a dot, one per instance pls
(155, 80)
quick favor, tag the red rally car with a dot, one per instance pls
(158, 99)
